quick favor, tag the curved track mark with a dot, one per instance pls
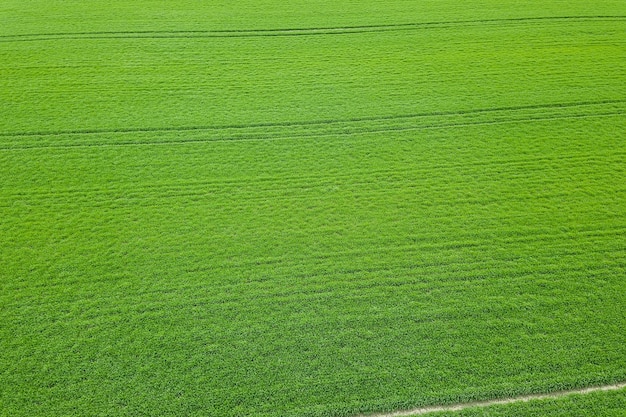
(313, 122)
(312, 135)
(310, 31)
(504, 401)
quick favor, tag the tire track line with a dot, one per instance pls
(322, 122)
(502, 401)
(309, 31)
(313, 135)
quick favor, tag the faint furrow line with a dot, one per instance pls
(308, 31)
(226, 292)
(354, 130)
(362, 131)
(278, 196)
(294, 183)
(446, 272)
(311, 181)
(438, 271)
(427, 244)
(450, 281)
(321, 122)
(286, 186)
(455, 279)
(276, 189)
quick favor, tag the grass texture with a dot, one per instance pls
(597, 404)
(314, 209)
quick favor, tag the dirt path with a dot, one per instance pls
(462, 406)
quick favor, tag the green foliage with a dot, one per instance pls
(314, 210)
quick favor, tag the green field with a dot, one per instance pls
(597, 404)
(311, 208)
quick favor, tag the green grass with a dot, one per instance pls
(319, 222)
(597, 404)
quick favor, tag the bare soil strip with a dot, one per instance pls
(525, 398)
